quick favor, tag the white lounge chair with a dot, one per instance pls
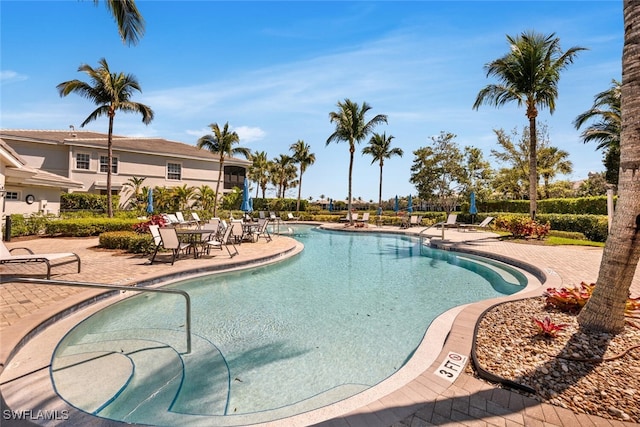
(450, 222)
(8, 257)
(482, 225)
(290, 217)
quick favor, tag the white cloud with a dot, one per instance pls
(249, 134)
(9, 76)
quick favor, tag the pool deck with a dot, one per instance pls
(426, 399)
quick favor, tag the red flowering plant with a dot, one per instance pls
(573, 299)
(547, 328)
(569, 299)
(143, 227)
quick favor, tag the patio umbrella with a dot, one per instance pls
(473, 210)
(410, 205)
(395, 205)
(150, 201)
(246, 198)
(330, 205)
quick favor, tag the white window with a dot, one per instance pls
(174, 171)
(104, 160)
(12, 195)
(82, 161)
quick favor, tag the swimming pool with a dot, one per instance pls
(274, 341)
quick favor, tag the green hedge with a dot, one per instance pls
(596, 205)
(127, 240)
(594, 227)
(83, 227)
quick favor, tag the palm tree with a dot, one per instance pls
(205, 198)
(380, 148)
(259, 171)
(606, 130)
(352, 128)
(111, 92)
(128, 18)
(135, 183)
(529, 75)
(304, 158)
(283, 171)
(221, 143)
(552, 161)
(605, 309)
(183, 195)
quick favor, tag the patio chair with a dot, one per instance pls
(170, 241)
(349, 216)
(196, 219)
(449, 223)
(290, 217)
(183, 221)
(262, 230)
(7, 257)
(225, 240)
(364, 220)
(414, 220)
(237, 231)
(482, 225)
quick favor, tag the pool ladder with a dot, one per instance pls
(119, 288)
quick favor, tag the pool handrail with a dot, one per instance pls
(118, 288)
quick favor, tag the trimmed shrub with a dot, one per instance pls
(523, 226)
(594, 227)
(87, 202)
(83, 227)
(127, 240)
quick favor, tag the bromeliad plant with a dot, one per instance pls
(143, 227)
(573, 299)
(569, 299)
(547, 328)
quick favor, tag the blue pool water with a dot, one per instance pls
(273, 341)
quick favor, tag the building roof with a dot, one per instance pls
(152, 146)
(18, 171)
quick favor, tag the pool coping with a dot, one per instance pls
(427, 384)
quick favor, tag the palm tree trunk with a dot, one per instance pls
(299, 192)
(220, 176)
(109, 161)
(533, 166)
(352, 149)
(605, 309)
(380, 186)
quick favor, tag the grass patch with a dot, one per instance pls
(556, 241)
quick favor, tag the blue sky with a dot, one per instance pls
(274, 71)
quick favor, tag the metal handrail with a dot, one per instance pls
(119, 288)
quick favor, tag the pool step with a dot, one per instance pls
(138, 376)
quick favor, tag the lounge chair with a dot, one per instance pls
(348, 218)
(183, 221)
(290, 217)
(224, 240)
(449, 223)
(473, 227)
(7, 257)
(364, 220)
(170, 241)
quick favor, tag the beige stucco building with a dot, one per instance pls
(72, 161)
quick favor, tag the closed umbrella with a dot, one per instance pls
(246, 204)
(395, 205)
(330, 205)
(410, 205)
(150, 201)
(473, 210)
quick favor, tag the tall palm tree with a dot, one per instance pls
(129, 20)
(221, 143)
(259, 171)
(529, 75)
(606, 130)
(303, 157)
(352, 127)
(111, 92)
(379, 148)
(605, 309)
(552, 161)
